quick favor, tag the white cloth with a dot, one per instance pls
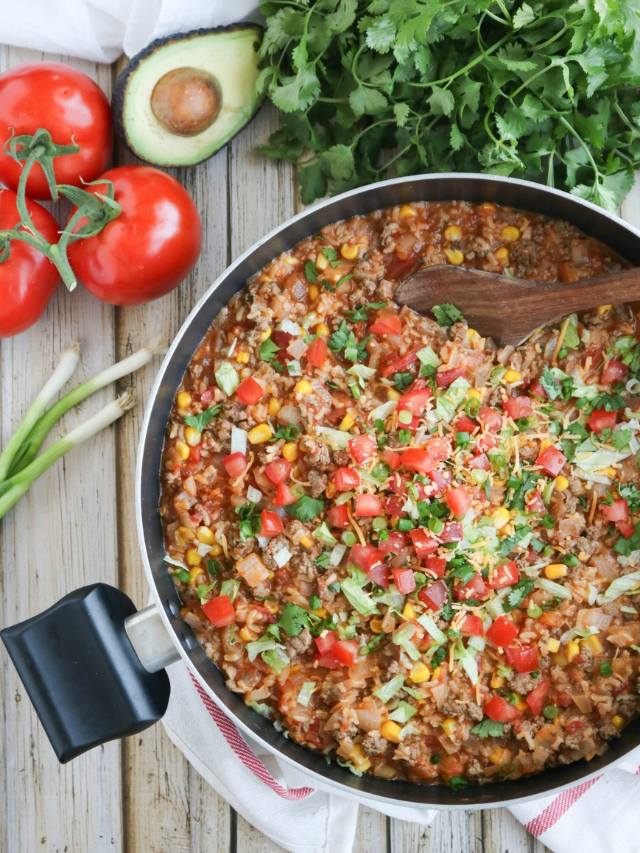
(101, 30)
(305, 816)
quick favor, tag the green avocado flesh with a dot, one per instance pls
(185, 96)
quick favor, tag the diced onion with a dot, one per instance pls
(294, 367)
(263, 540)
(289, 326)
(254, 494)
(297, 348)
(232, 348)
(337, 554)
(203, 549)
(282, 557)
(238, 440)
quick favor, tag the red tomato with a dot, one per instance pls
(27, 278)
(415, 401)
(346, 651)
(208, 395)
(551, 460)
(325, 641)
(465, 424)
(481, 462)
(601, 419)
(505, 575)
(458, 500)
(392, 459)
(486, 442)
(503, 632)
(150, 248)
(345, 479)
(194, 454)
(279, 470)
(338, 516)
(472, 626)
(249, 391)
(439, 481)
(364, 556)
(475, 588)
(437, 565)
(618, 511)
(535, 699)
(518, 407)
(423, 542)
(434, 596)
(625, 528)
(220, 611)
(400, 363)
(387, 326)
(379, 574)
(270, 523)
(235, 464)
(446, 377)
(284, 496)
(615, 371)
(394, 544)
(393, 506)
(451, 532)
(417, 459)
(490, 418)
(282, 340)
(439, 449)
(404, 580)
(523, 659)
(500, 710)
(328, 661)
(71, 107)
(317, 352)
(536, 504)
(536, 388)
(368, 505)
(362, 447)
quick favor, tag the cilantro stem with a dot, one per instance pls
(466, 68)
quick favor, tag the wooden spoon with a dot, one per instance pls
(510, 309)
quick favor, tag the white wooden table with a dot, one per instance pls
(76, 526)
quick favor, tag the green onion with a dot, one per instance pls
(534, 611)
(606, 669)
(379, 523)
(349, 538)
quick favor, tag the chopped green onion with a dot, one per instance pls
(349, 538)
(606, 669)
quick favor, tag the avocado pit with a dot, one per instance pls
(186, 101)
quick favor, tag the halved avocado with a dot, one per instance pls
(185, 96)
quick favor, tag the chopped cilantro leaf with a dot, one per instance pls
(199, 422)
(267, 352)
(311, 271)
(447, 314)
(338, 339)
(621, 438)
(510, 542)
(288, 433)
(488, 728)
(331, 255)
(518, 594)
(249, 523)
(549, 384)
(402, 380)
(306, 508)
(328, 286)
(293, 619)
(631, 494)
(360, 315)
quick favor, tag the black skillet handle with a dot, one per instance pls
(82, 674)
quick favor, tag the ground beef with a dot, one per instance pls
(593, 320)
(272, 547)
(374, 745)
(393, 440)
(522, 683)
(474, 770)
(317, 454)
(572, 741)
(238, 548)
(456, 708)
(341, 458)
(318, 482)
(300, 644)
(608, 732)
(588, 542)
(524, 254)
(304, 563)
(330, 692)
(236, 413)
(528, 453)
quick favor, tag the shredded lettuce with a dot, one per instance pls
(388, 691)
(403, 713)
(304, 696)
(402, 638)
(276, 658)
(227, 378)
(477, 643)
(264, 644)
(467, 660)
(571, 339)
(334, 437)
(432, 629)
(356, 596)
(590, 460)
(323, 534)
(619, 586)
(496, 375)
(427, 356)
(362, 373)
(408, 730)
(553, 588)
(383, 411)
(448, 402)
(230, 588)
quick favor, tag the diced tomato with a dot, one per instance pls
(414, 401)
(518, 407)
(392, 459)
(458, 500)
(379, 574)
(500, 710)
(436, 565)
(394, 544)
(615, 371)
(536, 388)
(362, 447)
(393, 506)
(235, 464)
(563, 700)
(625, 528)
(325, 641)
(435, 595)
(551, 460)
(279, 470)
(386, 326)
(486, 442)
(504, 575)
(503, 632)
(523, 659)
(536, 504)
(328, 661)
(345, 479)
(475, 588)
(220, 611)
(618, 511)
(423, 541)
(465, 424)
(249, 391)
(282, 340)
(576, 725)
(440, 480)
(194, 454)
(535, 699)
(270, 523)
(444, 378)
(208, 395)
(601, 419)
(396, 365)
(451, 532)
(481, 461)
(317, 352)
(472, 626)
(490, 418)
(338, 516)
(346, 651)
(368, 505)
(417, 459)
(404, 580)
(451, 765)
(284, 496)
(364, 556)
(439, 448)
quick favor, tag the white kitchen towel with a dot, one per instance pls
(101, 30)
(306, 816)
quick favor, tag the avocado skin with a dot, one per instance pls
(120, 89)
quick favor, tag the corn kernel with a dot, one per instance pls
(474, 394)
(555, 570)
(449, 725)
(497, 681)
(420, 673)
(502, 254)
(264, 278)
(376, 626)
(291, 261)
(194, 575)
(303, 387)
(183, 450)
(290, 451)
(242, 358)
(392, 394)
(216, 550)
(321, 613)
(409, 611)
(274, 406)
(510, 233)
(390, 731)
(349, 251)
(508, 530)
(313, 292)
(561, 483)
(473, 337)
(264, 335)
(330, 490)
(496, 756)
(488, 206)
(604, 309)
(593, 643)
(347, 422)
(454, 256)
(544, 444)
(573, 649)
(512, 376)
(501, 517)
(184, 399)
(192, 436)
(205, 536)
(553, 645)
(609, 471)
(323, 330)
(321, 261)
(272, 606)
(617, 721)
(259, 434)
(521, 705)
(248, 635)
(436, 673)
(406, 210)
(360, 760)
(452, 233)
(306, 541)
(193, 558)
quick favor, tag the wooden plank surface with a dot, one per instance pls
(77, 526)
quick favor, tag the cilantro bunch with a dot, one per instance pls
(538, 90)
